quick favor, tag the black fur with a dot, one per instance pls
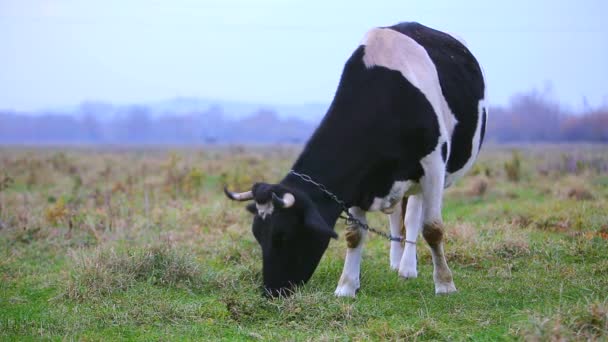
(377, 129)
(461, 82)
(293, 239)
(484, 117)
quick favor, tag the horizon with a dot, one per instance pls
(66, 53)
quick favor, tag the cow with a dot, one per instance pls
(407, 120)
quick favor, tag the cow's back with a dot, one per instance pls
(402, 95)
(463, 87)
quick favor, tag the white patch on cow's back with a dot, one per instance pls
(452, 177)
(264, 209)
(396, 51)
(399, 189)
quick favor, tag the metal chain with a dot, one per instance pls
(350, 218)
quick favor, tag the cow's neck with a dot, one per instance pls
(327, 207)
(339, 172)
(337, 154)
(338, 179)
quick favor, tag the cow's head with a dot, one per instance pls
(291, 232)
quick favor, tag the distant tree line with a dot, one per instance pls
(529, 117)
(534, 117)
(136, 126)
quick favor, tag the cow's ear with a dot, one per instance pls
(252, 208)
(316, 223)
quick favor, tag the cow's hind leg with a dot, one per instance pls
(432, 191)
(413, 225)
(349, 281)
(397, 230)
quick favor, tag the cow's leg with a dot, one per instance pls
(432, 229)
(413, 225)
(396, 223)
(349, 281)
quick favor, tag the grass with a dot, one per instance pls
(108, 271)
(584, 321)
(140, 244)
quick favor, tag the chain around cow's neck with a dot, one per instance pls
(350, 219)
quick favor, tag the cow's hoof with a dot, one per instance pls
(445, 288)
(408, 273)
(396, 255)
(408, 267)
(395, 266)
(346, 291)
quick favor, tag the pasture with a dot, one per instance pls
(141, 244)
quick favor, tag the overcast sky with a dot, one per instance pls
(60, 53)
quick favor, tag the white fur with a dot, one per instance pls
(396, 247)
(452, 177)
(388, 203)
(396, 51)
(393, 50)
(264, 209)
(349, 281)
(408, 267)
(432, 183)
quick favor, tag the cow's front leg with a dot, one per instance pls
(408, 267)
(349, 281)
(396, 224)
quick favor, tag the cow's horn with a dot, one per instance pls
(238, 196)
(286, 202)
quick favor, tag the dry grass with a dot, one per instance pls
(582, 322)
(479, 186)
(574, 187)
(104, 272)
(579, 194)
(141, 244)
(513, 167)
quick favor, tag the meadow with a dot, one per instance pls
(141, 244)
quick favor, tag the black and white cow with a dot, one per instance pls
(407, 120)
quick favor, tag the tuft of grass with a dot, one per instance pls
(513, 167)
(478, 187)
(106, 271)
(512, 248)
(580, 194)
(581, 322)
(5, 182)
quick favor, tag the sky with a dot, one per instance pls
(58, 53)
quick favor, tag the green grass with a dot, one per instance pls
(141, 245)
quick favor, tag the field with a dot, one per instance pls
(140, 244)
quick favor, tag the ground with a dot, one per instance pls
(140, 244)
